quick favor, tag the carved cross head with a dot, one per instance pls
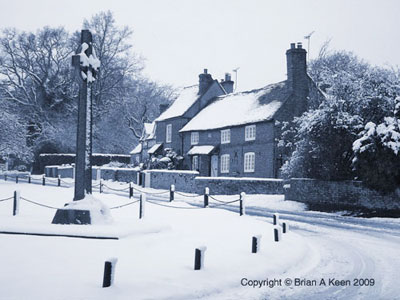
(85, 59)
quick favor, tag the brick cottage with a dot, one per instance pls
(221, 133)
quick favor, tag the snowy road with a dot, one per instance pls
(346, 248)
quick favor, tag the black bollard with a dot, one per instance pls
(16, 203)
(255, 245)
(29, 178)
(277, 234)
(101, 187)
(59, 180)
(171, 193)
(285, 227)
(206, 194)
(109, 272)
(242, 207)
(130, 190)
(5, 177)
(199, 258)
(276, 219)
(16, 179)
(44, 180)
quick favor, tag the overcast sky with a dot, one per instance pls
(180, 38)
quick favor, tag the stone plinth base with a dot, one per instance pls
(72, 216)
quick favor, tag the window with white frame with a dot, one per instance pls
(225, 136)
(225, 163)
(168, 133)
(195, 163)
(250, 133)
(249, 161)
(194, 138)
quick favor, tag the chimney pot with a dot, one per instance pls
(292, 45)
(299, 45)
(227, 77)
(205, 71)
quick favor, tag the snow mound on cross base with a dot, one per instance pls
(99, 212)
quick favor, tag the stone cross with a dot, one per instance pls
(87, 65)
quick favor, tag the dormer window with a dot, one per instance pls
(250, 133)
(194, 138)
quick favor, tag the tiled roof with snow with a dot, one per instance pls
(240, 108)
(185, 100)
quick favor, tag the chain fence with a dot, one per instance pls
(155, 196)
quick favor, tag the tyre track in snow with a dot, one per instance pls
(349, 248)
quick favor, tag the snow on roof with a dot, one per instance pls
(240, 108)
(199, 150)
(185, 100)
(153, 149)
(137, 149)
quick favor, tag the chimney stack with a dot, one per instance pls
(205, 80)
(227, 83)
(297, 77)
(162, 108)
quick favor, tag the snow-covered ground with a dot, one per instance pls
(156, 254)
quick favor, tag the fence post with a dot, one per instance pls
(285, 227)
(242, 204)
(206, 194)
(255, 245)
(16, 178)
(109, 272)
(16, 203)
(199, 258)
(29, 178)
(277, 233)
(101, 187)
(59, 180)
(142, 205)
(171, 193)
(44, 180)
(275, 218)
(130, 190)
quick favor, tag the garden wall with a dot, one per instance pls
(98, 159)
(339, 194)
(233, 185)
(106, 173)
(184, 181)
(190, 182)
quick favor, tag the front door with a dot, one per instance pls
(214, 166)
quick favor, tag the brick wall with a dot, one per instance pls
(262, 146)
(339, 194)
(190, 182)
(183, 180)
(176, 141)
(232, 186)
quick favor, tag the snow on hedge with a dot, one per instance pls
(387, 133)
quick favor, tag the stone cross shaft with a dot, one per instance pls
(87, 65)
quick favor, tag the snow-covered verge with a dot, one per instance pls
(152, 264)
(156, 254)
